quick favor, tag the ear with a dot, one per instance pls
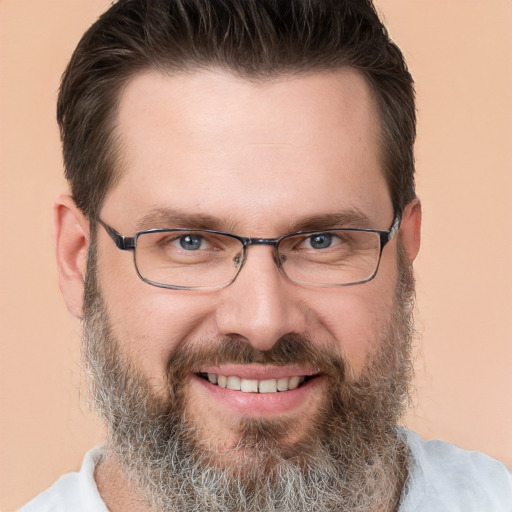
(410, 229)
(70, 233)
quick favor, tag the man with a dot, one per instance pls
(239, 246)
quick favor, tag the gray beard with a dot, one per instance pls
(350, 457)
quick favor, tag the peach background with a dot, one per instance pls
(460, 54)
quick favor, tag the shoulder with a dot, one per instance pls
(444, 477)
(73, 491)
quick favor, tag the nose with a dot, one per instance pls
(261, 305)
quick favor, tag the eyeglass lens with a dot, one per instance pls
(199, 259)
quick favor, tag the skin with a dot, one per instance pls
(262, 158)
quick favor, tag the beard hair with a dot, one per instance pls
(350, 457)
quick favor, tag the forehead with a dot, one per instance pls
(252, 152)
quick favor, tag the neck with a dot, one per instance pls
(115, 489)
(119, 495)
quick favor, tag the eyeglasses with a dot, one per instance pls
(191, 259)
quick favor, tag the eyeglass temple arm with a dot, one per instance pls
(125, 243)
(395, 227)
(386, 236)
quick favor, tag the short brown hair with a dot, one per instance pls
(254, 39)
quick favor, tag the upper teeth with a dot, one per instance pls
(255, 386)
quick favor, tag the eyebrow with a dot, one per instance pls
(176, 218)
(348, 218)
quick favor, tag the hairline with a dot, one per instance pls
(115, 148)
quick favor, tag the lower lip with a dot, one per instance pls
(260, 404)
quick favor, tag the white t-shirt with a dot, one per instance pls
(442, 478)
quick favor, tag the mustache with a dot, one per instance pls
(291, 349)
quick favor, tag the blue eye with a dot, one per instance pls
(191, 242)
(320, 241)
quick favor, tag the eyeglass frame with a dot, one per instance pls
(129, 243)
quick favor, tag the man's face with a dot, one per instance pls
(257, 159)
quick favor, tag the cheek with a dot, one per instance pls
(358, 318)
(149, 323)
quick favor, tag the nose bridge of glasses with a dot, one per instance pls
(271, 242)
(261, 241)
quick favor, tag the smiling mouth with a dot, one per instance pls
(235, 383)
